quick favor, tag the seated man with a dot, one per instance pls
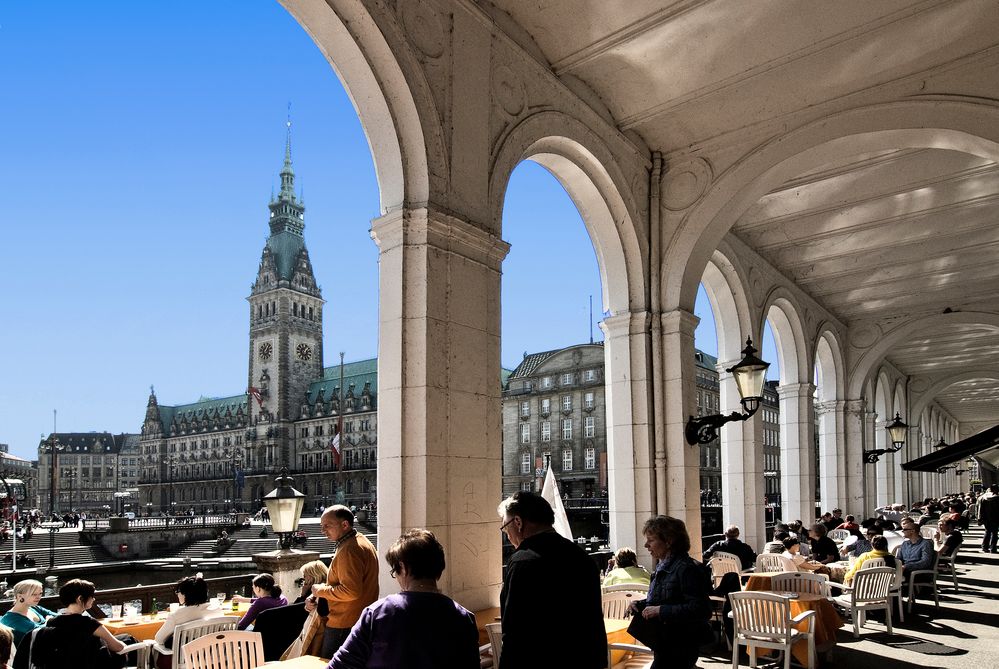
(732, 544)
(915, 552)
(947, 538)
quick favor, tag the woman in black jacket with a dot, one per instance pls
(678, 595)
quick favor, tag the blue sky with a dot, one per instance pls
(141, 141)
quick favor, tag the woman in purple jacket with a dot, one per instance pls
(419, 628)
(266, 595)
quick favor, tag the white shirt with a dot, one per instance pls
(186, 614)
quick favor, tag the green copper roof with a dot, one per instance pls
(204, 407)
(358, 373)
(286, 247)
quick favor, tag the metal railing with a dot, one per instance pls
(163, 522)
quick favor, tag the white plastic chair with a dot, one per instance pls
(721, 565)
(723, 554)
(638, 656)
(232, 649)
(615, 604)
(839, 535)
(769, 563)
(626, 587)
(925, 578)
(495, 633)
(927, 531)
(763, 620)
(141, 649)
(870, 590)
(187, 632)
(802, 582)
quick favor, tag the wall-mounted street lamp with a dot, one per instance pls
(284, 505)
(750, 374)
(896, 432)
(942, 470)
(941, 444)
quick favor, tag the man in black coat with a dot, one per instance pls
(988, 515)
(550, 602)
(732, 544)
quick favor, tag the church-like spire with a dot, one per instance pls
(287, 173)
(287, 211)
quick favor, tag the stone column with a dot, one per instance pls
(832, 447)
(284, 566)
(630, 482)
(742, 465)
(439, 414)
(678, 469)
(854, 421)
(797, 450)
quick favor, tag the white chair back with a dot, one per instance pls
(723, 554)
(873, 563)
(773, 563)
(763, 620)
(801, 581)
(873, 585)
(927, 531)
(626, 587)
(721, 565)
(232, 649)
(185, 633)
(839, 535)
(615, 604)
(495, 633)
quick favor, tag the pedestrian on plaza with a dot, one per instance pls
(988, 516)
(678, 595)
(732, 544)
(352, 582)
(418, 628)
(551, 590)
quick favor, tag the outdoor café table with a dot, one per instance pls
(143, 630)
(303, 662)
(760, 581)
(827, 621)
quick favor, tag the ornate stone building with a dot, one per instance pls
(554, 413)
(13, 467)
(223, 453)
(90, 468)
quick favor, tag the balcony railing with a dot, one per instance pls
(162, 522)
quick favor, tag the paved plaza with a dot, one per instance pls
(963, 633)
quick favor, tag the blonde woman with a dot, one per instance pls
(26, 614)
(310, 640)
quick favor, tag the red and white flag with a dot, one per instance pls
(255, 394)
(335, 447)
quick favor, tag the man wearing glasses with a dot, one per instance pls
(915, 552)
(551, 591)
(352, 583)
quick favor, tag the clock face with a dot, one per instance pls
(304, 352)
(265, 351)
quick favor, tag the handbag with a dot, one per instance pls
(645, 631)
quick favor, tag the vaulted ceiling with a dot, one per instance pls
(886, 234)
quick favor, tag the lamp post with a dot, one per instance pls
(896, 433)
(170, 462)
(236, 456)
(72, 475)
(53, 528)
(284, 506)
(749, 374)
(53, 447)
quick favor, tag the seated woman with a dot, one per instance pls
(627, 570)
(310, 638)
(26, 614)
(266, 595)
(72, 639)
(418, 628)
(792, 548)
(312, 573)
(879, 549)
(192, 593)
(823, 549)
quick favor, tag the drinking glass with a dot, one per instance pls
(116, 610)
(221, 597)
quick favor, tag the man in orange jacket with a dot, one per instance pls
(352, 583)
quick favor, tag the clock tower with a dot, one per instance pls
(286, 322)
